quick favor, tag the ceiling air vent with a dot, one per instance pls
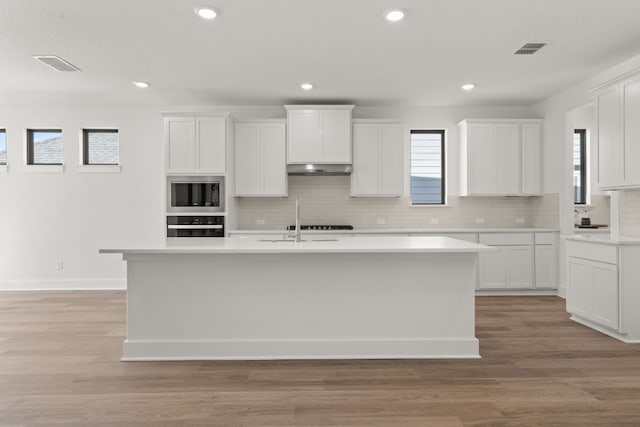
(56, 63)
(529, 48)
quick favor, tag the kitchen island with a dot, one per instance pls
(247, 299)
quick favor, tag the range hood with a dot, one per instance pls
(315, 169)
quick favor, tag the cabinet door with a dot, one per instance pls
(531, 159)
(364, 179)
(391, 162)
(492, 270)
(519, 263)
(545, 266)
(631, 97)
(247, 159)
(274, 163)
(180, 143)
(336, 136)
(509, 158)
(605, 294)
(580, 289)
(482, 159)
(211, 145)
(304, 137)
(610, 161)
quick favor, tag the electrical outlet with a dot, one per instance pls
(260, 222)
(382, 221)
(479, 220)
(435, 221)
(59, 264)
(519, 220)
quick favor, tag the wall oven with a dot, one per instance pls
(195, 194)
(195, 226)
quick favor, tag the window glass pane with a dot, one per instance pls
(46, 147)
(579, 168)
(102, 147)
(427, 181)
(3, 147)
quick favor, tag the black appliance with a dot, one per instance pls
(195, 194)
(322, 227)
(195, 226)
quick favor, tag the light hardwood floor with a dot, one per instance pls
(59, 365)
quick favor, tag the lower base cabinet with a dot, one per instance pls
(593, 291)
(509, 267)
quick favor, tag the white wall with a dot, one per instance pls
(45, 217)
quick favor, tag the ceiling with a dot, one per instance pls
(259, 51)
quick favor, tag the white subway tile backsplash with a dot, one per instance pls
(327, 200)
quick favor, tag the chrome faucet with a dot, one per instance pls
(297, 232)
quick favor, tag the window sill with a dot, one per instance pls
(43, 168)
(4, 168)
(98, 169)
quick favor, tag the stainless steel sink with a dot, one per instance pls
(293, 241)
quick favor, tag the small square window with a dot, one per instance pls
(44, 147)
(3, 147)
(100, 147)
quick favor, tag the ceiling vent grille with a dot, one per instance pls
(56, 63)
(529, 48)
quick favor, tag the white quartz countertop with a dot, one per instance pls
(359, 244)
(405, 231)
(605, 239)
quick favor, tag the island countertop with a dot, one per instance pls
(310, 244)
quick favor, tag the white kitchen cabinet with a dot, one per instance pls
(546, 261)
(511, 267)
(618, 109)
(593, 291)
(260, 158)
(378, 162)
(319, 133)
(501, 157)
(195, 145)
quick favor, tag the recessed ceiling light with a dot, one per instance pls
(141, 85)
(394, 15)
(468, 86)
(206, 12)
(306, 86)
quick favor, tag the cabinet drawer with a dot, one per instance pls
(593, 251)
(545, 238)
(505, 238)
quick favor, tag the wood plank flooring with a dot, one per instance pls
(59, 366)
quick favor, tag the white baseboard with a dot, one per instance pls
(62, 285)
(300, 349)
(515, 292)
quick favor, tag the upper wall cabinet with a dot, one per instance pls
(501, 157)
(195, 145)
(319, 133)
(261, 167)
(377, 159)
(618, 115)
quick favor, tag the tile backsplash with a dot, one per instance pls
(630, 213)
(327, 200)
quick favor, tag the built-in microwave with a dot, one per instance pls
(195, 194)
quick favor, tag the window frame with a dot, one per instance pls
(583, 167)
(85, 145)
(30, 147)
(443, 195)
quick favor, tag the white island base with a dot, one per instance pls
(301, 303)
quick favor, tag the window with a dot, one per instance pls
(3, 147)
(100, 147)
(580, 166)
(427, 167)
(44, 147)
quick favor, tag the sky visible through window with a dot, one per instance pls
(47, 147)
(3, 147)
